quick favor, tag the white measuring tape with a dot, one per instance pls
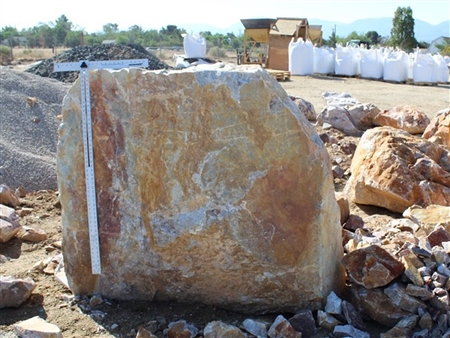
(91, 196)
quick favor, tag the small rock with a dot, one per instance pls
(37, 327)
(8, 197)
(343, 206)
(354, 222)
(303, 321)
(352, 316)
(281, 328)
(181, 329)
(257, 328)
(218, 329)
(341, 331)
(327, 321)
(15, 291)
(9, 223)
(21, 192)
(143, 333)
(31, 235)
(95, 301)
(334, 304)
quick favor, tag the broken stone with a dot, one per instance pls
(8, 197)
(339, 118)
(344, 206)
(219, 329)
(303, 322)
(411, 271)
(37, 327)
(372, 266)
(257, 328)
(143, 333)
(438, 130)
(334, 304)
(395, 170)
(430, 216)
(420, 292)
(31, 235)
(326, 320)
(375, 304)
(223, 168)
(406, 118)
(281, 328)
(15, 291)
(9, 223)
(305, 107)
(398, 295)
(352, 316)
(181, 329)
(438, 236)
(354, 222)
(341, 331)
(426, 322)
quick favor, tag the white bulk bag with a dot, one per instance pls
(301, 57)
(424, 68)
(323, 60)
(395, 66)
(194, 46)
(442, 71)
(346, 61)
(371, 63)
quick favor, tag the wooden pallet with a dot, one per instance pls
(280, 75)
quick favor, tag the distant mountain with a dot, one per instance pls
(422, 30)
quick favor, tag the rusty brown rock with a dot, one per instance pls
(372, 266)
(406, 118)
(395, 170)
(211, 186)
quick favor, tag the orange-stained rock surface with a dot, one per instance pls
(211, 187)
(395, 170)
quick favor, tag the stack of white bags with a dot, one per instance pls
(377, 63)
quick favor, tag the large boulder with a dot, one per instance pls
(406, 118)
(395, 170)
(211, 187)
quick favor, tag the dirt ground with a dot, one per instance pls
(53, 302)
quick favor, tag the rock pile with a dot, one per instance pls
(94, 53)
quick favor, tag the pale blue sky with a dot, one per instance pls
(92, 15)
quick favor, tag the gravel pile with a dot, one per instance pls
(29, 109)
(94, 53)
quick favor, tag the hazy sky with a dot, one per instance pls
(92, 15)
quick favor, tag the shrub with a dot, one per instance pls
(217, 52)
(5, 55)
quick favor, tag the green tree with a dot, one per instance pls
(110, 29)
(9, 33)
(332, 40)
(402, 32)
(373, 37)
(73, 39)
(46, 36)
(62, 27)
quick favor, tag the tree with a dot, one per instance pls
(110, 29)
(62, 27)
(332, 40)
(373, 37)
(402, 32)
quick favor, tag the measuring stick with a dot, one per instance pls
(91, 196)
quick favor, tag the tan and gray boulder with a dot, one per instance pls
(211, 187)
(406, 118)
(438, 130)
(395, 170)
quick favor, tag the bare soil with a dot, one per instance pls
(53, 302)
